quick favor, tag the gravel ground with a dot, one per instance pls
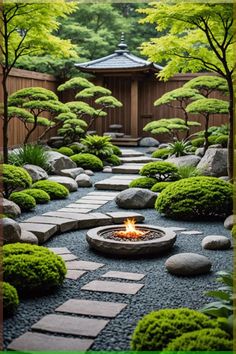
(161, 290)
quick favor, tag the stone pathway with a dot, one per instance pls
(117, 183)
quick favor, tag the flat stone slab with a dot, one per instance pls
(112, 184)
(84, 265)
(88, 201)
(112, 287)
(72, 210)
(104, 193)
(74, 274)
(173, 228)
(42, 231)
(124, 177)
(68, 257)
(123, 275)
(138, 159)
(127, 168)
(62, 223)
(59, 250)
(99, 197)
(33, 341)
(83, 206)
(93, 308)
(131, 153)
(193, 232)
(118, 217)
(71, 325)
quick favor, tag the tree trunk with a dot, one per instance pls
(31, 131)
(206, 135)
(231, 132)
(5, 116)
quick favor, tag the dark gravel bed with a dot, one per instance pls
(161, 290)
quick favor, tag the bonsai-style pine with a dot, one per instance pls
(207, 84)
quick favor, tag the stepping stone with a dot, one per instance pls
(127, 168)
(84, 265)
(112, 184)
(123, 275)
(187, 264)
(216, 242)
(118, 217)
(112, 287)
(71, 325)
(74, 274)
(72, 210)
(83, 206)
(98, 198)
(59, 250)
(124, 177)
(63, 225)
(173, 228)
(131, 153)
(138, 159)
(33, 341)
(191, 232)
(109, 194)
(92, 308)
(68, 257)
(88, 201)
(42, 231)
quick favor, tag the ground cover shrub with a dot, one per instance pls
(10, 299)
(208, 339)
(143, 182)
(113, 160)
(32, 269)
(76, 148)
(116, 150)
(196, 198)
(54, 189)
(223, 140)
(162, 171)
(23, 200)
(99, 146)
(88, 162)
(159, 186)
(14, 177)
(161, 153)
(156, 329)
(30, 154)
(40, 196)
(188, 171)
(198, 142)
(65, 151)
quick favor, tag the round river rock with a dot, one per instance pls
(188, 264)
(215, 242)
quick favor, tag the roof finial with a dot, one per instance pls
(123, 48)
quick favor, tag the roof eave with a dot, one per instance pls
(150, 67)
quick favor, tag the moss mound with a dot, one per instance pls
(143, 182)
(88, 162)
(40, 196)
(113, 160)
(65, 151)
(162, 171)
(208, 339)
(223, 140)
(23, 200)
(196, 198)
(14, 177)
(10, 299)
(32, 269)
(161, 153)
(54, 189)
(159, 186)
(155, 330)
(116, 150)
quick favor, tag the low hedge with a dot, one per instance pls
(65, 151)
(10, 299)
(14, 177)
(196, 198)
(88, 162)
(155, 330)
(162, 171)
(159, 186)
(143, 182)
(161, 153)
(113, 160)
(32, 269)
(208, 339)
(25, 201)
(54, 189)
(40, 196)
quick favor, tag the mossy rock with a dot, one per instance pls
(10, 299)
(162, 171)
(161, 153)
(65, 151)
(54, 189)
(25, 201)
(40, 196)
(143, 182)
(208, 339)
(32, 270)
(14, 177)
(155, 330)
(88, 162)
(196, 198)
(160, 186)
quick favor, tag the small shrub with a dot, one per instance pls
(162, 171)
(234, 231)
(116, 150)
(88, 162)
(25, 201)
(76, 148)
(159, 186)
(199, 142)
(196, 198)
(180, 148)
(223, 140)
(32, 269)
(10, 299)
(155, 330)
(208, 339)
(54, 189)
(40, 196)
(30, 154)
(113, 160)
(161, 153)
(14, 177)
(99, 146)
(66, 151)
(143, 182)
(188, 171)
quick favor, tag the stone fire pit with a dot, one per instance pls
(102, 239)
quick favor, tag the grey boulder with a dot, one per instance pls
(214, 163)
(199, 152)
(188, 264)
(83, 180)
(89, 172)
(230, 221)
(136, 198)
(216, 242)
(10, 209)
(59, 162)
(71, 172)
(11, 230)
(28, 237)
(37, 173)
(56, 142)
(187, 160)
(149, 142)
(67, 182)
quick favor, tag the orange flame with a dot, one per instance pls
(130, 231)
